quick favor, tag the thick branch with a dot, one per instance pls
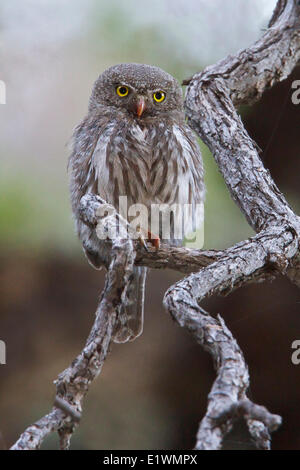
(182, 300)
(210, 105)
(210, 100)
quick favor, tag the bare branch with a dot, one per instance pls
(210, 105)
(73, 383)
(210, 100)
(236, 267)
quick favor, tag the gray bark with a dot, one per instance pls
(211, 100)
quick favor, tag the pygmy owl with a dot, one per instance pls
(134, 142)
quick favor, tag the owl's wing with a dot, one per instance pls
(84, 179)
(87, 166)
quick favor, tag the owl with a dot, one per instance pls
(134, 143)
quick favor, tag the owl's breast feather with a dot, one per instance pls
(150, 164)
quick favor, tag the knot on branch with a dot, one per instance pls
(280, 255)
(249, 411)
(259, 420)
(68, 409)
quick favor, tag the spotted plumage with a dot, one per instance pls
(135, 142)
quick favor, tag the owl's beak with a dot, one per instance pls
(141, 105)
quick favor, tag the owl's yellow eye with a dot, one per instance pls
(122, 91)
(159, 96)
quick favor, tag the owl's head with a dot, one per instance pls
(140, 90)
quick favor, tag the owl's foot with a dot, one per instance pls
(143, 241)
(154, 240)
(141, 238)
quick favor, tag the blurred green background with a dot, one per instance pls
(152, 392)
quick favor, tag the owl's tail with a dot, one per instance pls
(131, 318)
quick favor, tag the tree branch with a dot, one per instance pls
(235, 268)
(73, 383)
(210, 105)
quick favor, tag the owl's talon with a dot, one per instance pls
(154, 240)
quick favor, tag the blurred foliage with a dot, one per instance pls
(128, 39)
(33, 217)
(224, 222)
